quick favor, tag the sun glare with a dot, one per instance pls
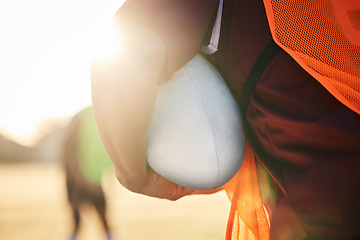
(45, 59)
(105, 41)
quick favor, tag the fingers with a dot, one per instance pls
(160, 187)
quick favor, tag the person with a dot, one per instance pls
(85, 163)
(305, 139)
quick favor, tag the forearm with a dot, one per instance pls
(124, 92)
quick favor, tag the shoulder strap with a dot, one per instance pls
(257, 70)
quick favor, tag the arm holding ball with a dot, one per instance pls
(123, 93)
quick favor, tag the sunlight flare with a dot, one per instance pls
(105, 41)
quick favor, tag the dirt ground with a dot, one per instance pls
(33, 206)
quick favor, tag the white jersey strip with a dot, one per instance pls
(215, 34)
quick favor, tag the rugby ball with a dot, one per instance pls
(196, 137)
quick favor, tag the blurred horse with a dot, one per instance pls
(85, 162)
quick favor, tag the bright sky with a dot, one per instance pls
(44, 60)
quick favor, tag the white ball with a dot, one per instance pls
(196, 137)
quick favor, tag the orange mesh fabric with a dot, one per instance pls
(248, 219)
(323, 36)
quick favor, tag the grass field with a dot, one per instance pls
(33, 206)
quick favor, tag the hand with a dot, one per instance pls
(158, 186)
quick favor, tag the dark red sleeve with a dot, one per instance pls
(181, 24)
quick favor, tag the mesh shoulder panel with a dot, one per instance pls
(323, 36)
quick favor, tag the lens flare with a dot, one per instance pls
(104, 42)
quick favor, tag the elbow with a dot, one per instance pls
(133, 184)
